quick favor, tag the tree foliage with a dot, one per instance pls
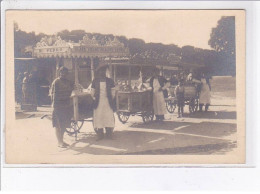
(223, 40)
(140, 51)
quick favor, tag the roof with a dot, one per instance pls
(54, 46)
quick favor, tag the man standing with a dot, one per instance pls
(158, 84)
(60, 93)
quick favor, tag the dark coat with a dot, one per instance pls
(109, 85)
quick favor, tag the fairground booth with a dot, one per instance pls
(83, 57)
(80, 58)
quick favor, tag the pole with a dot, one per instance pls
(114, 69)
(129, 74)
(75, 98)
(57, 66)
(92, 68)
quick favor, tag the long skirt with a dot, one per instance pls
(204, 94)
(103, 114)
(159, 103)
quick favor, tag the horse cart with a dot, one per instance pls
(134, 103)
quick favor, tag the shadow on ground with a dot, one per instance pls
(168, 137)
(214, 115)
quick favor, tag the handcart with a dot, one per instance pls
(84, 113)
(171, 101)
(134, 103)
(191, 97)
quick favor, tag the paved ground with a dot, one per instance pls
(203, 133)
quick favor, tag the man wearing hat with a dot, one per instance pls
(104, 102)
(60, 93)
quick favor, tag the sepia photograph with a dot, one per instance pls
(125, 87)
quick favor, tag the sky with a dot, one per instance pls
(180, 27)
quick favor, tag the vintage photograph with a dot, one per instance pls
(125, 87)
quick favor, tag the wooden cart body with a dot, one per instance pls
(134, 103)
(191, 97)
(85, 107)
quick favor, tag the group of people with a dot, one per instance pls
(203, 87)
(28, 89)
(103, 94)
(159, 87)
(25, 88)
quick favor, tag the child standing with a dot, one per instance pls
(179, 92)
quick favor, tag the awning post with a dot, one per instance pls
(75, 97)
(92, 68)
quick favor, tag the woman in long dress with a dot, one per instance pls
(104, 103)
(158, 84)
(204, 98)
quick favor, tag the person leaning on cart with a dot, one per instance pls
(104, 103)
(158, 85)
(60, 93)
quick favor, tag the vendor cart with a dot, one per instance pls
(191, 97)
(171, 100)
(81, 59)
(134, 103)
(84, 113)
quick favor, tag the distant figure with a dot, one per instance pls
(18, 88)
(173, 80)
(25, 88)
(32, 82)
(60, 93)
(190, 76)
(204, 98)
(103, 94)
(179, 92)
(158, 84)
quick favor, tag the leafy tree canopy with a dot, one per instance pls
(222, 38)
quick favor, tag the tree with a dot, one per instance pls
(223, 40)
(136, 45)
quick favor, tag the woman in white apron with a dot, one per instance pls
(104, 103)
(204, 98)
(158, 84)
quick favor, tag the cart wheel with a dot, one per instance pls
(170, 106)
(123, 116)
(147, 116)
(193, 105)
(75, 127)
